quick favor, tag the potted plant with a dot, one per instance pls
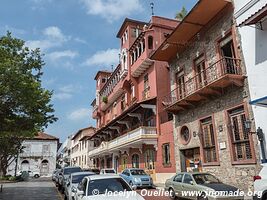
(105, 99)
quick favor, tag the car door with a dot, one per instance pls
(125, 175)
(82, 187)
(177, 184)
(187, 186)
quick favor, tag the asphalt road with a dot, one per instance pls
(34, 189)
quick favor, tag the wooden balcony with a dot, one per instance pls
(205, 85)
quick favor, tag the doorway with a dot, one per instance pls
(190, 160)
(44, 167)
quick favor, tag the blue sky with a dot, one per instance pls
(78, 38)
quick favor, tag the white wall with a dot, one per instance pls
(254, 46)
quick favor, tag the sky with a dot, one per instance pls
(77, 38)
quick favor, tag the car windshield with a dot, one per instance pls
(205, 179)
(107, 185)
(109, 171)
(138, 172)
(71, 170)
(78, 178)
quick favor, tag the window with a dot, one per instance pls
(185, 135)
(135, 161)
(123, 102)
(239, 135)
(208, 141)
(146, 87)
(45, 148)
(178, 178)
(200, 71)
(132, 91)
(124, 162)
(187, 179)
(166, 154)
(103, 80)
(150, 159)
(150, 42)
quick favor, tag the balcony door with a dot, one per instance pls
(227, 52)
(180, 81)
(200, 70)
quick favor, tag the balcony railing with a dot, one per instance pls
(36, 154)
(206, 78)
(139, 135)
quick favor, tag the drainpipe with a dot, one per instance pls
(262, 145)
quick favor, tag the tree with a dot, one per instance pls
(25, 107)
(181, 15)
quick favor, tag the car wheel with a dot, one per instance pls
(202, 196)
(36, 176)
(62, 190)
(65, 197)
(264, 197)
(172, 193)
(59, 187)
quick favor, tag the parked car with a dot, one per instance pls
(137, 177)
(260, 184)
(55, 175)
(96, 171)
(64, 175)
(107, 171)
(72, 183)
(203, 183)
(34, 174)
(95, 187)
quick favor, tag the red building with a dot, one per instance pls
(133, 130)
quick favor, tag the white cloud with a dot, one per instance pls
(79, 114)
(53, 37)
(112, 10)
(66, 92)
(56, 55)
(62, 96)
(107, 58)
(79, 40)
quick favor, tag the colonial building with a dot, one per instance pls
(80, 147)
(38, 155)
(210, 95)
(251, 18)
(133, 130)
(65, 152)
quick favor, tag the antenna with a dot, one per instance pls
(152, 8)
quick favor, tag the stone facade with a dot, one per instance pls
(215, 107)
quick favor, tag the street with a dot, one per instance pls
(34, 189)
(44, 189)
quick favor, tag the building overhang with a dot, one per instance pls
(260, 102)
(255, 18)
(202, 13)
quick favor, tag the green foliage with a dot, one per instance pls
(181, 15)
(105, 99)
(25, 106)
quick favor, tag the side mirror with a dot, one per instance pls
(191, 182)
(74, 190)
(134, 187)
(68, 183)
(80, 192)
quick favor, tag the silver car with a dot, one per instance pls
(72, 183)
(198, 186)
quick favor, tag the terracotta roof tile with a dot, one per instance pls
(44, 136)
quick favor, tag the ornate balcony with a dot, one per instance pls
(36, 154)
(206, 84)
(134, 138)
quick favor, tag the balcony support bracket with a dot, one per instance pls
(127, 123)
(138, 115)
(148, 106)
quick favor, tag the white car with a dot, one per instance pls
(105, 187)
(72, 183)
(34, 174)
(107, 171)
(260, 184)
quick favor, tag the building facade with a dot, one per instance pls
(38, 155)
(251, 18)
(80, 147)
(65, 152)
(133, 130)
(210, 96)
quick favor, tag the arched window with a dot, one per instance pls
(150, 42)
(135, 161)
(25, 162)
(124, 161)
(185, 135)
(150, 159)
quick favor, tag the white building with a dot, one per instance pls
(80, 146)
(65, 152)
(251, 18)
(39, 155)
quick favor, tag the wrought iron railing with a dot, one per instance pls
(214, 72)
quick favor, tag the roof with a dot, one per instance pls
(83, 129)
(259, 102)
(82, 173)
(102, 72)
(127, 21)
(44, 136)
(185, 31)
(103, 176)
(256, 17)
